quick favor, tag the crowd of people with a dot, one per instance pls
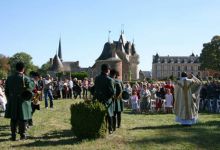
(23, 94)
(149, 97)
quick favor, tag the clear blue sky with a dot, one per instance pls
(166, 27)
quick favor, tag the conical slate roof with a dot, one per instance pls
(60, 50)
(122, 39)
(57, 64)
(107, 52)
(133, 50)
(128, 47)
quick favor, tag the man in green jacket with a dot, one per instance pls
(104, 92)
(18, 90)
(118, 104)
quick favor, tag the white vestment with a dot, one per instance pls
(186, 106)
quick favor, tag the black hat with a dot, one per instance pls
(105, 67)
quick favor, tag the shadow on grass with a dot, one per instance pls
(4, 127)
(129, 112)
(204, 135)
(54, 138)
(4, 133)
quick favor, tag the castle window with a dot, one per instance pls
(178, 74)
(185, 68)
(178, 68)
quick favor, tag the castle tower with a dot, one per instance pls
(60, 51)
(110, 57)
(57, 65)
(120, 55)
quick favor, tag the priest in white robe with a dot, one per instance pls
(186, 100)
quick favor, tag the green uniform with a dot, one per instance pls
(17, 108)
(104, 91)
(118, 104)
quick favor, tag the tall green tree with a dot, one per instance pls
(4, 66)
(210, 55)
(25, 58)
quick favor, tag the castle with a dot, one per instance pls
(120, 55)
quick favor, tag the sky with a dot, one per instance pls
(166, 27)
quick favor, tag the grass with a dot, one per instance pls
(52, 130)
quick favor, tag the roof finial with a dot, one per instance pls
(122, 28)
(109, 31)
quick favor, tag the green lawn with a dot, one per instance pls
(158, 131)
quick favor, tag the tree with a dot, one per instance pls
(79, 75)
(44, 68)
(25, 58)
(210, 55)
(4, 66)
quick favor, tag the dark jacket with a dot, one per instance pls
(17, 107)
(104, 88)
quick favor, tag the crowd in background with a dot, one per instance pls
(144, 96)
(149, 97)
(210, 97)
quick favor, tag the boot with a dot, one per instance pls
(23, 136)
(13, 137)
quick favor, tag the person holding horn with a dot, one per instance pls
(35, 103)
(18, 90)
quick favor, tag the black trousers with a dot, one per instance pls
(109, 123)
(116, 119)
(21, 127)
(34, 107)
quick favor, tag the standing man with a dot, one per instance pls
(18, 92)
(186, 106)
(104, 92)
(118, 104)
(48, 91)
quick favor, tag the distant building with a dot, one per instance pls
(58, 65)
(143, 75)
(167, 66)
(120, 55)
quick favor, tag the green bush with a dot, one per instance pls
(88, 120)
(79, 75)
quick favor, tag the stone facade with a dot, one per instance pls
(166, 66)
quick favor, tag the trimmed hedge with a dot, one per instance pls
(88, 120)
